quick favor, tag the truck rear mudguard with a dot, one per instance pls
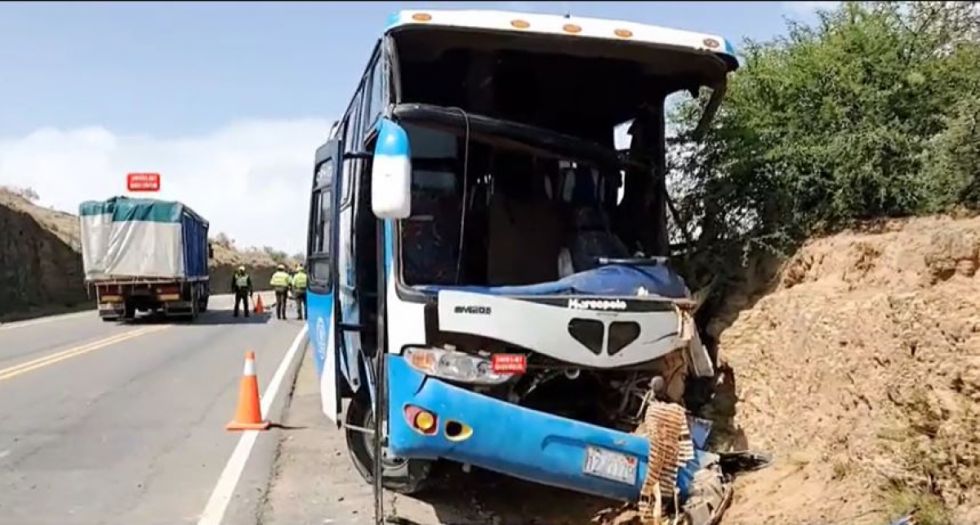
(510, 439)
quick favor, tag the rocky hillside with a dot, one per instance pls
(261, 265)
(859, 370)
(41, 263)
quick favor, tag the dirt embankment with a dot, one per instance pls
(260, 266)
(860, 371)
(41, 263)
(40, 266)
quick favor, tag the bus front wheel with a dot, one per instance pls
(405, 476)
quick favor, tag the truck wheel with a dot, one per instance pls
(195, 307)
(405, 476)
(130, 312)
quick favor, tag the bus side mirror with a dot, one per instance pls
(210, 251)
(391, 173)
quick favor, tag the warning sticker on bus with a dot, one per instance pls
(143, 182)
(509, 363)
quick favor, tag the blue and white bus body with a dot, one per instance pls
(502, 436)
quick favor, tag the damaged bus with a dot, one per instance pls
(489, 278)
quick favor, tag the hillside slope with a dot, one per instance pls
(41, 264)
(260, 266)
(860, 372)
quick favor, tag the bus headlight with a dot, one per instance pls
(454, 365)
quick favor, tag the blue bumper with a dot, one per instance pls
(510, 439)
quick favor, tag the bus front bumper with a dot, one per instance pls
(513, 440)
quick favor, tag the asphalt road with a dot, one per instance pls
(110, 423)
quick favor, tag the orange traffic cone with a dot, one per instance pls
(248, 416)
(259, 307)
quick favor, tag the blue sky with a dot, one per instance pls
(120, 83)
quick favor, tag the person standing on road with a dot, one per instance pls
(298, 284)
(241, 286)
(280, 283)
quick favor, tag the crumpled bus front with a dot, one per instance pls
(431, 418)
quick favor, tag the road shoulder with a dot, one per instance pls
(251, 490)
(314, 481)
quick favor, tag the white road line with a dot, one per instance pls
(43, 320)
(214, 512)
(4, 454)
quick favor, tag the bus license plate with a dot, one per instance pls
(610, 465)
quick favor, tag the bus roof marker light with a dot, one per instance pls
(520, 24)
(571, 28)
(623, 33)
(422, 17)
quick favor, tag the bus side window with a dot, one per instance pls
(321, 249)
(352, 141)
(374, 102)
(352, 134)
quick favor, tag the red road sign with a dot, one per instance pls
(143, 182)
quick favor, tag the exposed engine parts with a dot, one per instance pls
(615, 398)
(647, 398)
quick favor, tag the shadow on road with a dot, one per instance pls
(483, 497)
(209, 318)
(287, 427)
(227, 316)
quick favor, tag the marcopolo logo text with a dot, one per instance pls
(596, 304)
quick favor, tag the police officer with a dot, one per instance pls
(298, 284)
(241, 285)
(280, 283)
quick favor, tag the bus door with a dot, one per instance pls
(322, 300)
(348, 295)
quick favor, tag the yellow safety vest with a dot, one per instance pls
(299, 281)
(279, 280)
(241, 281)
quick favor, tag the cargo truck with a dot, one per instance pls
(145, 255)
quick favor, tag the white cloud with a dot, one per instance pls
(808, 8)
(250, 179)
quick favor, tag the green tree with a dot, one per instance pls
(871, 112)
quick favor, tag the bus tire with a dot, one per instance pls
(404, 476)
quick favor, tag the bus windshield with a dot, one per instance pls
(490, 209)
(576, 86)
(516, 178)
